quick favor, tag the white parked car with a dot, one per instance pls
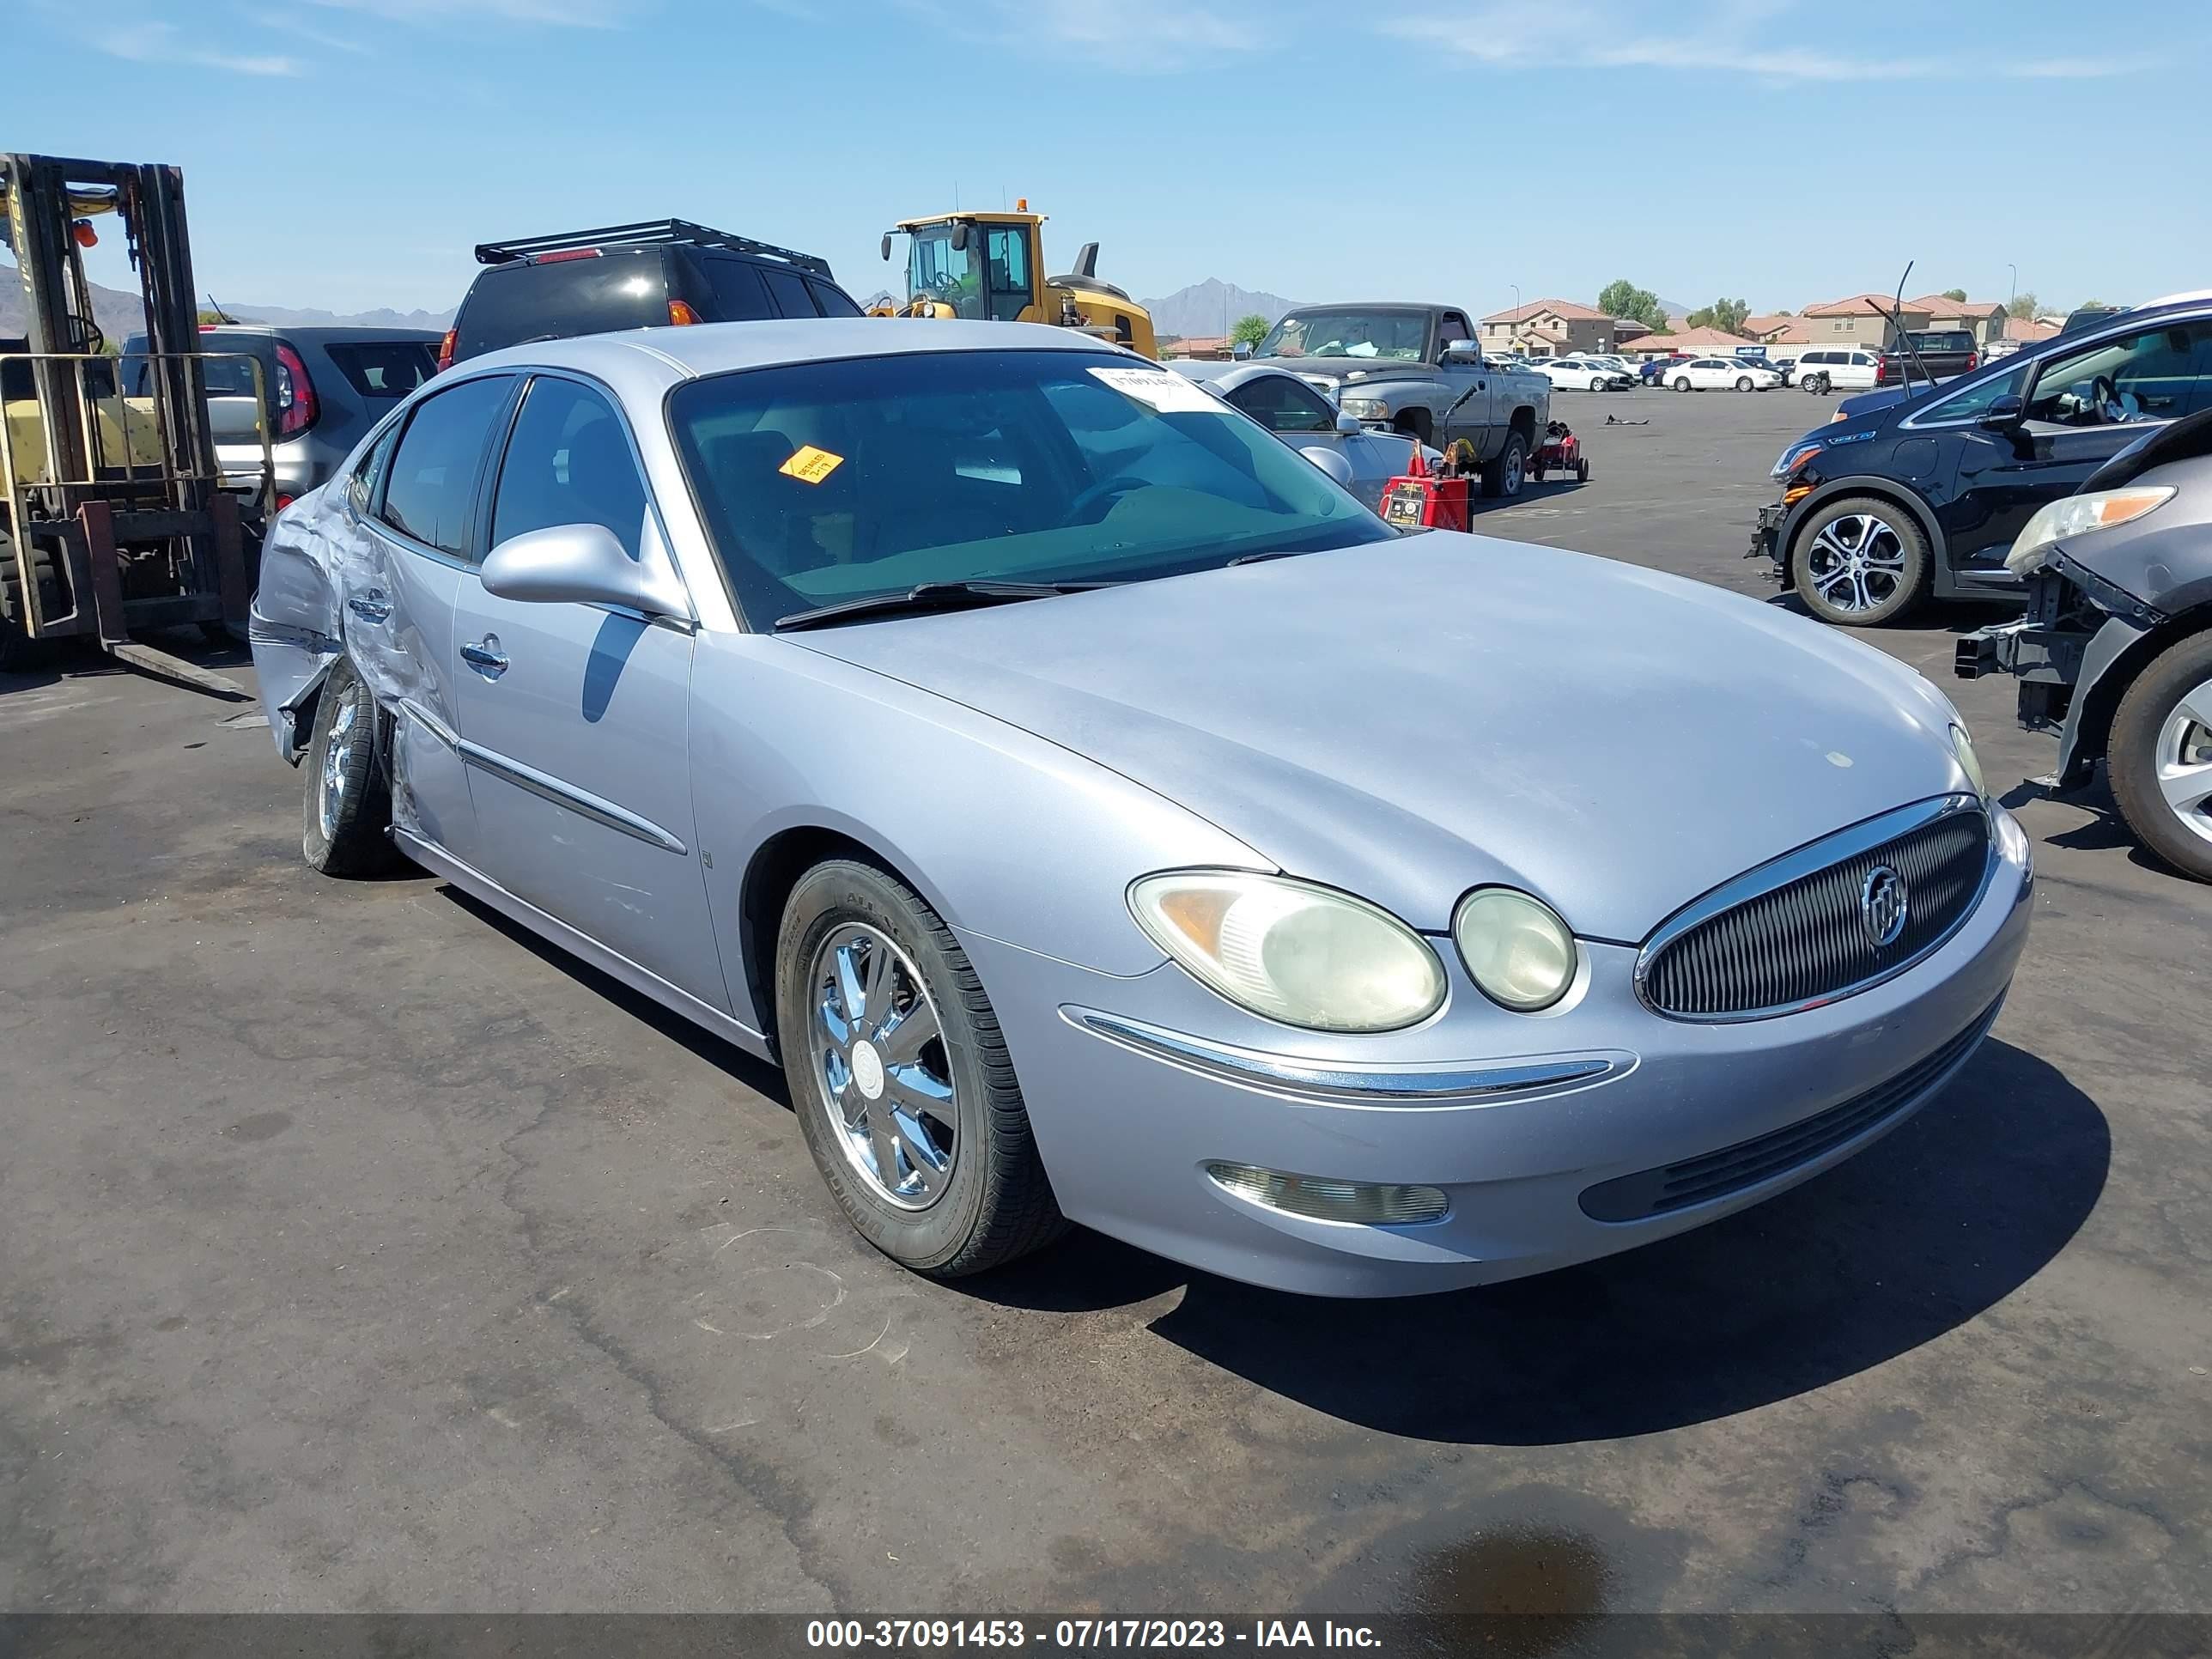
(1721, 374)
(1580, 375)
(1833, 369)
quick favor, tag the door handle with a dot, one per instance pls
(485, 657)
(371, 606)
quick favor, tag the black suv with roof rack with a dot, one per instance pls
(665, 272)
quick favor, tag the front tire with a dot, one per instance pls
(2159, 756)
(1743, 383)
(346, 811)
(901, 1078)
(1597, 384)
(1502, 478)
(1859, 563)
(1681, 383)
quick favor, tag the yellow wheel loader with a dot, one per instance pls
(989, 267)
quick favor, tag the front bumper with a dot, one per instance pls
(1532, 1143)
(1766, 536)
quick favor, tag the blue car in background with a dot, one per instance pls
(1917, 494)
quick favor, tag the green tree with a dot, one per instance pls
(1622, 298)
(2023, 305)
(1958, 294)
(1726, 315)
(2094, 305)
(1249, 331)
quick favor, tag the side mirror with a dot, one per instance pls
(1463, 351)
(2004, 415)
(960, 237)
(581, 564)
(1349, 426)
(1329, 462)
(887, 247)
(1241, 350)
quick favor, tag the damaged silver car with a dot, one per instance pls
(1103, 816)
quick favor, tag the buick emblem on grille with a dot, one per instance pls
(1883, 904)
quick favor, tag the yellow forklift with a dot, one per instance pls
(989, 267)
(114, 517)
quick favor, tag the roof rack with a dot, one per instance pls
(652, 233)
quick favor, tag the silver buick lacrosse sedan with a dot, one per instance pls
(1102, 817)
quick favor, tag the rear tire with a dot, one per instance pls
(965, 1190)
(1502, 478)
(1817, 385)
(2161, 732)
(346, 804)
(1859, 563)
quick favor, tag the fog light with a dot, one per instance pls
(1318, 1198)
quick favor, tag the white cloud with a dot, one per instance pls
(1726, 37)
(289, 23)
(164, 43)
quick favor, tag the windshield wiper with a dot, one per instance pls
(1262, 558)
(930, 596)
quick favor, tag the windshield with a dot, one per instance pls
(938, 271)
(824, 481)
(987, 280)
(1402, 336)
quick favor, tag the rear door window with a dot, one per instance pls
(833, 301)
(384, 368)
(788, 290)
(739, 295)
(431, 493)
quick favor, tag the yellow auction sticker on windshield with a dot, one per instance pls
(811, 466)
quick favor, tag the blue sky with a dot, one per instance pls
(348, 153)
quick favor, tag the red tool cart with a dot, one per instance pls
(1560, 452)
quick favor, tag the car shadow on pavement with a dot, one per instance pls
(743, 1069)
(1928, 1228)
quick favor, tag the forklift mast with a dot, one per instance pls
(94, 541)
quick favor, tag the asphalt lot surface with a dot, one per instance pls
(358, 1252)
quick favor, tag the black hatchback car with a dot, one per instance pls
(663, 273)
(1922, 498)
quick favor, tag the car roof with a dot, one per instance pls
(640, 358)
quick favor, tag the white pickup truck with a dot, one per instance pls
(1417, 369)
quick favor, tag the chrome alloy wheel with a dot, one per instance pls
(338, 760)
(1856, 562)
(2184, 761)
(879, 1059)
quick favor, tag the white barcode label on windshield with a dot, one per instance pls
(1161, 389)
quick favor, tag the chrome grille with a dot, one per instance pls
(1807, 929)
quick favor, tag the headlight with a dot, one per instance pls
(1795, 457)
(1516, 948)
(1367, 409)
(2077, 515)
(1305, 955)
(1963, 747)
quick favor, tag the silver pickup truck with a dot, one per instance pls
(1417, 369)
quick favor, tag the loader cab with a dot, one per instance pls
(983, 267)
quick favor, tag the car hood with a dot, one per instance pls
(1411, 719)
(1340, 369)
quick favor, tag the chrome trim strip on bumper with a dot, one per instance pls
(1806, 861)
(581, 803)
(1380, 1085)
